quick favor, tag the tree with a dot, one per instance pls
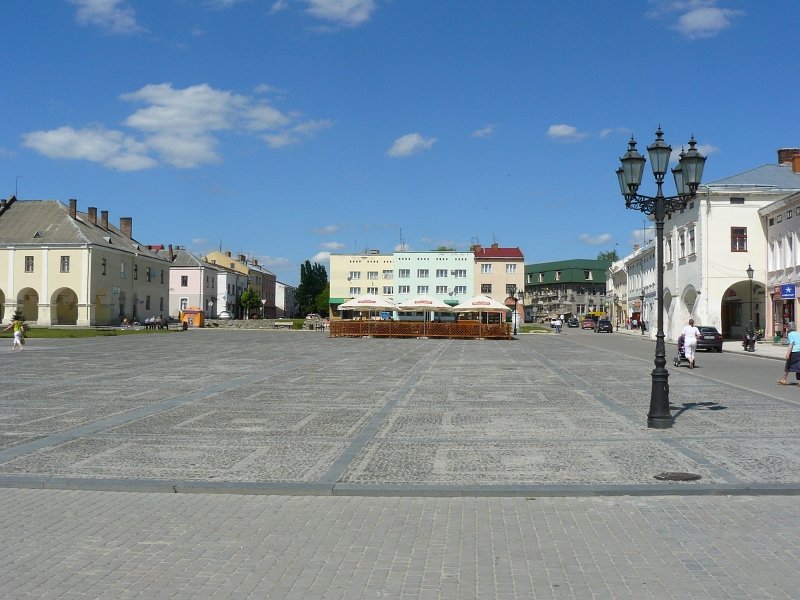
(249, 300)
(445, 249)
(311, 293)
(611, 255)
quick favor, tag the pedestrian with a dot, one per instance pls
(690, 335)
(792, 354)
(19, 334)
(558, 325)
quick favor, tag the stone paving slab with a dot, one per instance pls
(84, 544)
(273, 409)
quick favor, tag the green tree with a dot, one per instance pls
(249, 300)
(313, 292)
(610, 255)
(444, 249)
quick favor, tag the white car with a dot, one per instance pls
(224, 315)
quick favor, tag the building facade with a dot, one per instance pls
(353, 275)
(59, 266)
(444, 275)
(568, 287)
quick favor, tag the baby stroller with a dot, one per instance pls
(681, 356)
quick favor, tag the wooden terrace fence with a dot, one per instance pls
(459, 329)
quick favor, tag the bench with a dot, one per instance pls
(105, 331)
(283, 324)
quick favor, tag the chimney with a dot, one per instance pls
(171, 254)
(242, 258)
(104, 219)
(93, 215)
(785, 155)
(635, 247)
(126, 226)
(228, 253)
(255, 262)
(796, 163)
(495, 245)
(73, 207)
(476, 248)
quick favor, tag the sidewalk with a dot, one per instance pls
(764, 348)
(298, 466)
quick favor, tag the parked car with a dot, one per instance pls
(710, 339)
(587, 324)
(604, 325)
(573, 322)
(224, 314)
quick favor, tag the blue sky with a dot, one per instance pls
(289, 129)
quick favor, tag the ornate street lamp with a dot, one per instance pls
(520, 295)
(687, 175)
(616, 311)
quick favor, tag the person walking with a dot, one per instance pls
(792, 354)
(690, 334)
(558, 325)
(19, 332)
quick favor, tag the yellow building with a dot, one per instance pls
(59, 266)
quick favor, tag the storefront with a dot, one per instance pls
(783, 307)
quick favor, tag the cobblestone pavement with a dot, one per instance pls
(368, 468)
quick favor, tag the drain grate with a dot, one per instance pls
(677, 476)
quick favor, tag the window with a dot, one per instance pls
(422, 273)
(355, 291)
(558, 275)
(441, 272)
(387, 290)
(779, 219)
(460, 273)
(511, 268)
(797, 210)
(387, 274)
(354, 275)
(789, 214)
(161, 304)
(135, 272)
(29, 264)
(372, 290)
(668, 251)
(372, 274)
(148, 275)
(681, 244)
(403, 289)
(486, 288)
(541, 277)
(122, 270)
(441, 289)
(738, 239)
(103, 266)
(460, 289)
(162, 275)
(184, 280)
(65, 264)
(511, 289)
(422, 289)
(147, 302)
(404, 273)
(737, 200)
(184, 303)
(486, 268)
(691, 242)
(587, 274)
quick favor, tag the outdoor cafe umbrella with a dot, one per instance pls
(368, 302)
(426, 303)
(481, 304)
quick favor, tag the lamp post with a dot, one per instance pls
(616, 311)
(687, 175)
(749, 272)
(520, 295)
(641, 312)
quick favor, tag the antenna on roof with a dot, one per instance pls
(220, 244)
(402, 244)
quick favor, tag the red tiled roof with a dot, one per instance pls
(499, 253)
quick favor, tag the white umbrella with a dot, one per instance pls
(481, 304)
(368, 302)
(426, 303)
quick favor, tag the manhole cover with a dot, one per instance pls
(677, 476)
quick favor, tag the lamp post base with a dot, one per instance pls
(659, 416)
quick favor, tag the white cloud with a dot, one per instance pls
(484, 132)
(112, 15)
(696, 19)
(180, 126)
(276, 262)
(347, 13)
(332, 245)
(327, 229)
(565, 133)
(296, 134)
(402, 247)
(321, 257)
(279, 6)
(596, 240)
(611, 130)
(409, 144)
(112, 149)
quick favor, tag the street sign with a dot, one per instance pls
(788, 291)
